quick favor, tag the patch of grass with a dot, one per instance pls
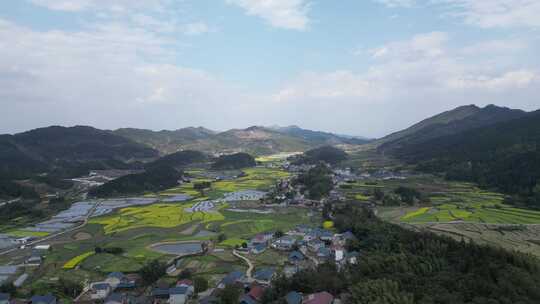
(362, 197)
(415, 213)
(232, 243)
(107, 263)
(26, 233)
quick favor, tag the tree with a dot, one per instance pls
(202, 185)
(185, 274)
(69, 288)
(201, 284)
(152, 271)
(278, 234)
(378, 194)
(230, 294)
(381, 291)
(8, 288)
(221, 237)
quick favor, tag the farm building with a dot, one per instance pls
(296, 257)
(179, 295)
(318, 298)
(284, 243)
(47, 299)
(258, 249)
(293, 297)
(100, 290)
(231, 278)
(4, 298)
(264, 274)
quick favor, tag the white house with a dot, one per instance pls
(179, 295)
(100, 290)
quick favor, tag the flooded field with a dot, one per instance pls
(181, 248)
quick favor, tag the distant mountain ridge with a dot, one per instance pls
(59, 148)
(447, 123)
(254, 140)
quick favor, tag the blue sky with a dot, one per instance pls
(359, 67)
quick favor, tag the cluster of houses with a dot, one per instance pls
(115, 289)
(178, 294)
(306, 247)
(254, 290)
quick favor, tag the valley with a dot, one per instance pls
(239, 217)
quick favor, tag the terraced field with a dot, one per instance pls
(474, 207)
(157, 215)
(258, 178)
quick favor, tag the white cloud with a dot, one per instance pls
(511, 80)
(99, 5)
(287, 14)
(497, 13)
(107, 76)
(197, 28)
(412, 79)
(494, 47)
(419, 46)
(482, 13)
(397, 3)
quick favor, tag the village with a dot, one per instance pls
(305, 246)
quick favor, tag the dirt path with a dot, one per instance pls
(250, 264)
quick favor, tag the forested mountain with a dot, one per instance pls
(152, 180)
(322, 138)
(255, 140)
(168, 142)
(399, 266)
(503, 156)
(59, 148)
(234, 161)
(447, 123)
(327, 154)
(179, 159)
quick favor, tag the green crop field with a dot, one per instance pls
(136, 229)
(448, 202)
(77, 260)
(258, 178)
(157, 215)
(25, 233)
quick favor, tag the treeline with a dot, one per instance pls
(179, 159)
(152, 180)
(327, 154)
(316, 183)
(10, 189)
(234, 161)
(398, 266)
(503, 156)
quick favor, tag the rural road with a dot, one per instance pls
(250, 265)
(52, 236)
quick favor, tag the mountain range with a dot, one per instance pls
(254, 140)
(65, 149)
(480, 144)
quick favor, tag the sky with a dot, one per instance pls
(357, 67)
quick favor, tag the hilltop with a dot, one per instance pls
(255, 139)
